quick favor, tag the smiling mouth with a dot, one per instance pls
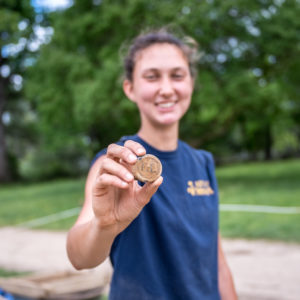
(166, 104)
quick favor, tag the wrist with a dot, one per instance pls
(102, 225)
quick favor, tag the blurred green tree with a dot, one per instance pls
(247, 75)
(16, 19)
(247, 81)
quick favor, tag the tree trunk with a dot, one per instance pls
(268, 142)
(4, 167)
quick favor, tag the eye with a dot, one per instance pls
(178, 76)
(151, 76)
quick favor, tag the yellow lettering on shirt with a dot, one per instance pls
(199, 188)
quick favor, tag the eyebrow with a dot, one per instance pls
(157, 69)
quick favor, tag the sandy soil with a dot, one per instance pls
(262, 270)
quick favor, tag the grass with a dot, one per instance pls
(9, 273)
(24, 202)
(267, 183)
(264, 183)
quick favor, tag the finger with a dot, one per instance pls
(148, 190)
(114, 168)
(105, 180)
(135, 147)
(121, 153)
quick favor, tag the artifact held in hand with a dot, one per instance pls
(147, 168)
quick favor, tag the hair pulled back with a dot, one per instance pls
(187, 45)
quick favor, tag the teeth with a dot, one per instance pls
(166, 105)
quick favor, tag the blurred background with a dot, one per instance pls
(61, 101)
(60, 87)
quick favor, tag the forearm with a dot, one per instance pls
(226, 284)
(88, 245)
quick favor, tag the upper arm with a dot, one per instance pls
(221, 256)
(86, 213)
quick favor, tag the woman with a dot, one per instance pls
(162, 237)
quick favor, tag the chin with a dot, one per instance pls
(168, 121)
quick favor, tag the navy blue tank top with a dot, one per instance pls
(169, 251)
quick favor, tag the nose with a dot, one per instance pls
(166, 87)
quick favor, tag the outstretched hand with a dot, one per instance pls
(117, 197)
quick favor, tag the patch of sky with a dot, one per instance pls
(186, 10)
(265, 13)
(212, 15)
(97, 2)
(233, 42)
(6, 118)
(262, 82)
(237, 53)
(17, 81)
(221, 58)
(250, 26)
(272, 59)
(279, 2)
(257, 72)
(233, 12)
(13, 49)
(50, 5)
(23, 25)
(43, 36)
(5, 71)
(272, 9)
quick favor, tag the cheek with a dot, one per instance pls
(185, 92)
(145, 92)
(186, 97)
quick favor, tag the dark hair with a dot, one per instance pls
(187, 45)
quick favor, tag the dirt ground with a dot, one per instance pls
(262, 270)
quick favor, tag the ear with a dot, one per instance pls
(128, 89)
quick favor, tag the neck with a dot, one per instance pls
(162, 138)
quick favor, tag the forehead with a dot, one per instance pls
(161, 55)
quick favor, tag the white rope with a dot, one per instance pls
(260, 208)
(223, 207)
(51, 218)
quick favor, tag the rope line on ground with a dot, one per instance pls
(51, 218)
(260, 208)
(223, 207)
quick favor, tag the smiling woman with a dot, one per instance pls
(157, 234)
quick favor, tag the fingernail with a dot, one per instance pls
(129, 176)
(132, 157)
(140, 150)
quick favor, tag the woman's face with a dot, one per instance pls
(162, 85)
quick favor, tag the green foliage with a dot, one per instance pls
(16, 19)
(51, 161)
(247, 80)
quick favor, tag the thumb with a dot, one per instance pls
(148, 190)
